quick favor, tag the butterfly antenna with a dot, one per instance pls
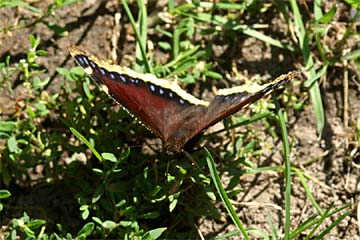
(193, 160)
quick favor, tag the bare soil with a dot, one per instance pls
(332, 161)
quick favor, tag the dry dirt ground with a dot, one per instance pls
(332, 161)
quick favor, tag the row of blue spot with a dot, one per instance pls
(85, 62)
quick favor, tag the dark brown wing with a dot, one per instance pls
(227, 102)
(170, 112)
(161, 105)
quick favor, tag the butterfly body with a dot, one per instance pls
(171, 113)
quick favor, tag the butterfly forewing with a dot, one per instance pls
(162, 107)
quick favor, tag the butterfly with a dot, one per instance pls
(166, 109)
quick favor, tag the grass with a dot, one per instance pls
(87, 147)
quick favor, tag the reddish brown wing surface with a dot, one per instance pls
(229, 101)
(163, 106)
(170, 112)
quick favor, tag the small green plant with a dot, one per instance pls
(24, 141)
(27, 68)
(45, 17)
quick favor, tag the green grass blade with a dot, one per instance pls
(87, 143)
(171, 5)
(139, 33)
(319, 222)
(223, 5)
(310, 81)
(12, 3)
(262, 234)
(223, 195)
(310, 221)
(264, 169)
(142, 23)
(332, 225)
(309, 65)
(286, 156)
(307, 190)
(256, 34)
(176, 42)
(351, 56)
(315, 222)
(233, 25)
(244, 122)
(272, 226)
(318, 107)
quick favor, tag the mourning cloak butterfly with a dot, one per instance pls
(171, 113)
